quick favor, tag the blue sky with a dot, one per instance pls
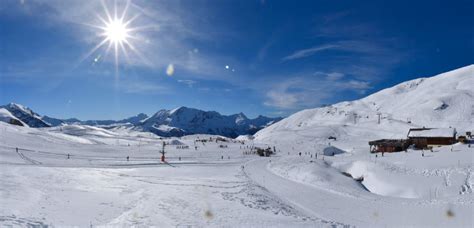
(282, 56)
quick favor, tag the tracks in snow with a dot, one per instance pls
(27, 159)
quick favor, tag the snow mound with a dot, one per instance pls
(244, 137)
(317, 174)
(380, 183)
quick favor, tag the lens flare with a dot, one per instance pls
(119, 34)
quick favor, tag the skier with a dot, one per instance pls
(300, 154)
(128, 158)
(68, 156)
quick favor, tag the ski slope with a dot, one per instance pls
(322, 174)
(218, 186)
(98, 186)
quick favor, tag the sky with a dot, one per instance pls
(259, 57)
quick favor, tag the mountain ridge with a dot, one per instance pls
(175, 122)
(443, 100)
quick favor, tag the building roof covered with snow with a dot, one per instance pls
(432, 132)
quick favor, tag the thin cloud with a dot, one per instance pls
(309, 51)
(137, 87)
(351, 46)
(189, 83)
(301, 92)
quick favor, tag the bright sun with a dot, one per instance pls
(119, 34)
(116, 31)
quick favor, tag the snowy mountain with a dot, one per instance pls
(185, 121)
(57, 122)
(7, 117)
(131, 120)
(26, 115)
(177, 122)
(445, 100)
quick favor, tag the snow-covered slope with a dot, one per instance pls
(185, 121)
(25, 114)
(445, 100)
(7, 117)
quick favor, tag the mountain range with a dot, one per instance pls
(177, 122)
(444, 100)
(183, 121)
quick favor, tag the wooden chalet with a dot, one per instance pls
(389, 145)
(428, 137)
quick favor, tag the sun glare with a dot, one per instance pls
(116, 31)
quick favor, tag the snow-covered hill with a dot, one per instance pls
(184, 121)
(445, 100)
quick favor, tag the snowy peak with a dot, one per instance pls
(134, 119)
(176, 122)
(240, 118)
(25, 115)
(184, 121)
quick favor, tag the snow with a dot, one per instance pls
(184, 121)
(244, 137)
(322, 174)
(7, 117)
(437, 132)
(175, 142)
(25, 115)
(97, 186)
